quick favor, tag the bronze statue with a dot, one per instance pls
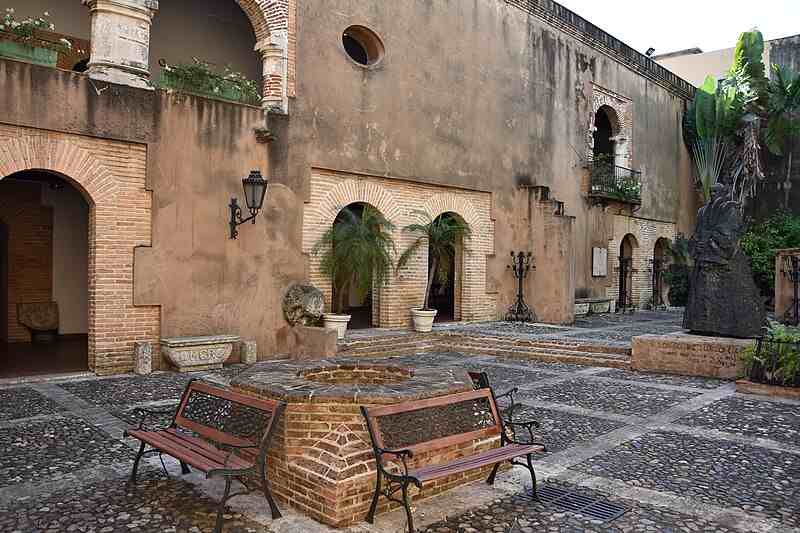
(723, 298)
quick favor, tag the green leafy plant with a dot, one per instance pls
(356, 251)
(26, 30)
(778, 360)
(441, 236)
(761, 241)
(199, 77)
(677, 273)
(732, 122)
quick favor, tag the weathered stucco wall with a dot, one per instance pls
(479, 95)
(197, 152)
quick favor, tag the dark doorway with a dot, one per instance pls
(443, 288)
(358, 306)
(47, 267)
(625, 299)
(3, 283)
(603, 145)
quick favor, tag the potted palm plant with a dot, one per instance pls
(440, 235)
(355, 253)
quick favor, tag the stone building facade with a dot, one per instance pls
(495, 114)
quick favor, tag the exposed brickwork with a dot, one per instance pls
(645, 233)
(111, 175)
(30, 250)
(401, 202)
(621, 124)
(688, 355)
(323, 463)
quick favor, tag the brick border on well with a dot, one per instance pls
(111, 175)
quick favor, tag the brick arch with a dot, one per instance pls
(73, 163)
(319, 217)
(452, 203)
(119, 221)
(470, 282)
(358, 191)
(256, 14)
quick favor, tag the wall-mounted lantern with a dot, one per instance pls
(255, 188)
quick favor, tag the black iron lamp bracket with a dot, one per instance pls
(521, 264)
(236, 217)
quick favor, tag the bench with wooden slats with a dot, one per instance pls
(401, 431)
(218, 432)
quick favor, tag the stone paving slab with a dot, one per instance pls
(610, 396)
(559, 430)
(155, 505)
(756, 480)
(619, 319)
(24, 402)
(750, 416)
(625, 334)
(130, 390)
(663, 379)
(47, 451)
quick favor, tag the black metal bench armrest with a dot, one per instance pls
(402, 454)
(147, 412)
(527, 425)
(509, 393)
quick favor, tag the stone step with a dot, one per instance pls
(577, 345)
(556, 356)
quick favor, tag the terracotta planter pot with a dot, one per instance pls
(336, 322)
(423, 319)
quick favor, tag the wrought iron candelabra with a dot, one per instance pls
(791, 269)
(521, 264)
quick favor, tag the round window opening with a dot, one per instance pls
(362, 45)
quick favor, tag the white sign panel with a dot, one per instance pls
(599, 262)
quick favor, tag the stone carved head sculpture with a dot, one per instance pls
(303, 304)
(719, 226)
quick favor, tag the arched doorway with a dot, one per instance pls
(660, 264)
(625, 298)
(445, 295)
(47, 274)
(361, 243)
(603, 148)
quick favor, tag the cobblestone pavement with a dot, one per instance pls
(680, 454)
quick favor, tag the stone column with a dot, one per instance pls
(121, 41)
(273, 52)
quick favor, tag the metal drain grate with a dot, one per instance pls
(579, 503)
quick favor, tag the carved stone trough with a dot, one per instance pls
(189, 354)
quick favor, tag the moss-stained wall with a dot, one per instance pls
(477, 94)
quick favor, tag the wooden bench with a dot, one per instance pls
(218, 432)
(399, 432)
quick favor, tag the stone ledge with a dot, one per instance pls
(748, 387)
(689, 355)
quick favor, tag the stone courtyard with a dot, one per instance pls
(677, 453)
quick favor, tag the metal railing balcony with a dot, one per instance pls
(615, 183)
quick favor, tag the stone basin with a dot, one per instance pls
(321, 461)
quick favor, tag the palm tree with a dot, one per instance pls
(441, 235)
(356, 251)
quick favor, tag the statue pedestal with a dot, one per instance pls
(688, 355)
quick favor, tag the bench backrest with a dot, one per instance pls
(225, 416)
(433, 423)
